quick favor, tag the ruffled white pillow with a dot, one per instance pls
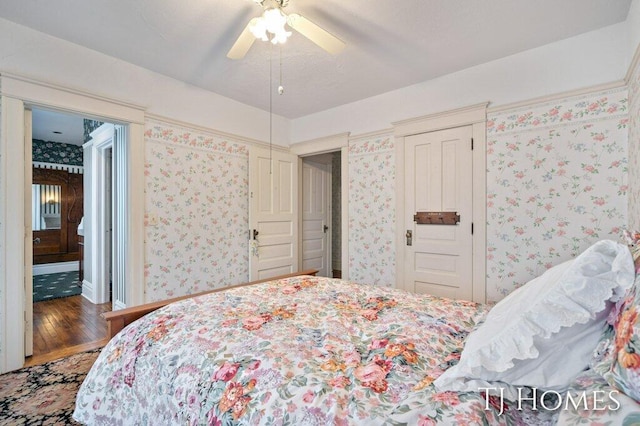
(543, 334)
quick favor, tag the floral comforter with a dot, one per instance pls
(299, 351)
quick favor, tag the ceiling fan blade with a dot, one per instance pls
(243, 43)
(319, 36)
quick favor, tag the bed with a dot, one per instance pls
(308, 350)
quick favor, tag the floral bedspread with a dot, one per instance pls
(299, 351)
(612, 407)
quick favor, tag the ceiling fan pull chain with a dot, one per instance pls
(280, 87)
(270, 108)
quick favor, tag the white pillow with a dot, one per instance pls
(543, 334)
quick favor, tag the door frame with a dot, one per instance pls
(475, 116)
(18, 93)
(100, 213)
(329, 144)
(28, 234)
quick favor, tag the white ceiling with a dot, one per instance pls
(390, 44)
(70, 127)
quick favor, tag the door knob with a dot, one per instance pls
(255, 234)
(409, 236)
(325, 228)
(36, 240)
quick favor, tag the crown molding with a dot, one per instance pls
(635, 63)
(321, 145)
(442, 120)
(369, 135)
(556, 96)
(35, 92)
(214, 132)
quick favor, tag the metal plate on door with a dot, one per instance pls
(436, 218)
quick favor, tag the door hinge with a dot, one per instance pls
(471, 144)
(471, 228)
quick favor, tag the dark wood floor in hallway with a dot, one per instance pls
(66, 325)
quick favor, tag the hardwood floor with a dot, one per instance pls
(65, 326)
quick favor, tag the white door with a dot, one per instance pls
(316, 217)
(438, 178)
(273, 213)
(28, 232)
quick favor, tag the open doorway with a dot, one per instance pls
(16, 232)
(321, 224)
(71, 209)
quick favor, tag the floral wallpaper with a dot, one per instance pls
(372, 211)
(556, 183)
(634, 147)
(90, 126)
(57, 153)
(196, 211)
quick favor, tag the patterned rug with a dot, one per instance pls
(44, 394)
(54, 286)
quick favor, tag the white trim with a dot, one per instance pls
(320, 145)
(28, 233)
(13, 226)
(61, 98)
(54, 166)
(53, 97)
(635, 62)
(117, 305)
(98, 215)
(557, 96)
(329, 219)
(88, 290)
(474, 115)
(400, 231)
(370, 135)
(339, 142)
(212, 132)
(55, 268)
(344, 206)
(480, 212)
(442, 120)
(135, 266)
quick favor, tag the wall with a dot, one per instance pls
(585, 60)
(196, 208)
(634, 145)
(372, 210)
(23, 51)
(57, 153)
(556, 183)
(592, 58)
(633, 23)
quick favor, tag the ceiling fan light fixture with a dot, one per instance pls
(272, 23)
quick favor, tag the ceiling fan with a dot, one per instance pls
(270, 26)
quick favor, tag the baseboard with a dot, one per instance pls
(55, 268)
(88, 291)
(117, 305)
